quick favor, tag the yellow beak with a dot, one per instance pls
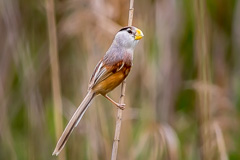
(139, 34)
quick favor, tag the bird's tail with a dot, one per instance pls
(74, 122)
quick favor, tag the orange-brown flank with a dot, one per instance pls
(112, 81)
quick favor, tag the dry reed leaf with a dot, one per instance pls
(156, 147)
(80, 19)
(139, 146)
(171, 140)
(215, 92)
(220, 141)
(164, 139)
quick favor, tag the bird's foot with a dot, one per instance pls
(120, 106)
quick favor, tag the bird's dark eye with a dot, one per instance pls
(129, 31)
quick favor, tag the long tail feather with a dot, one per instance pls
(74, 122)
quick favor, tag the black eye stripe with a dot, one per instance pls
(125, 28)
(128, 29)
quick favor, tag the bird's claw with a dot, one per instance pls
(121, 106)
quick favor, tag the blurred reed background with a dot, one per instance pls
(182, 96)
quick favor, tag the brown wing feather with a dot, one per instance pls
(103, 71)
(95, 73)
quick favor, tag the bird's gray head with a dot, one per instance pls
(128, 37)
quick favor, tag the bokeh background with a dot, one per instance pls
(183, 92)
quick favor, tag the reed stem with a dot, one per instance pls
(123, 88)
(203, 95)
(53, 54)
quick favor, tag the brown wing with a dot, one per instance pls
(103, 71)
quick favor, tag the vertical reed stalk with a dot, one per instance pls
(204, 78)
(53, 53)
(123, 88)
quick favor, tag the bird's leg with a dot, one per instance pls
(121, 106)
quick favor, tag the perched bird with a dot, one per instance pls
(110, 71)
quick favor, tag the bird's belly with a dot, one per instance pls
(111, 82)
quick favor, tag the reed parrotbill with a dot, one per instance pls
(110, 71)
